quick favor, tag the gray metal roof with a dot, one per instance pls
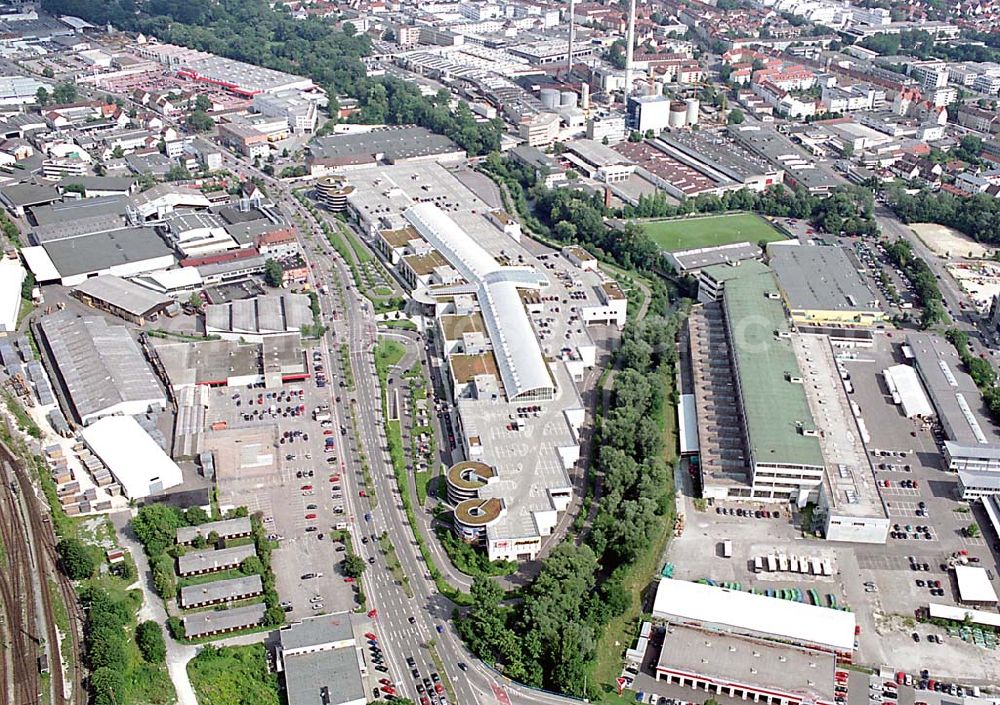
(239, 526)
(820, 278)
(393, 143)
(100, 251)
(123, 294)
(198, 561)
(67, 212)
(211, 621)
(76, 228)
(99, 183)
(221, 590)
(99, 363)
(271, 313)
(324, 678)
(317, 631)
(28, 194)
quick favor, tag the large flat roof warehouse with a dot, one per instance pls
(330, 677)
(699, 258)
(123, 252)
(391, 144)
(100, 366)
(754, 615)
(213, 362)
(519, 356)
(818, 277)
(955, 396)
(774, 404)
(138, 464)
(320, 660)
(753, 663)
(974, 585)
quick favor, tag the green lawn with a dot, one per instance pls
(233, 675)
(692, 233)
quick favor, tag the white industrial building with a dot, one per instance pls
(11, 277)
(974, 585)
(744, 613)
(138, 464)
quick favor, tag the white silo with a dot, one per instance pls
(550, 97)
(585, 96)
(567, 99)
(692, 111)
(678, 114)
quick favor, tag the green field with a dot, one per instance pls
(692, 233)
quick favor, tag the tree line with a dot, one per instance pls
(980, 370)
(925, 286)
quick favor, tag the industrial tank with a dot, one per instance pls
(692, 111)
(678, 114)
(567, 99)
(550, 97)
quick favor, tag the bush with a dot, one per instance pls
(77, 560)
(149, 638)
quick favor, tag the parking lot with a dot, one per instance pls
(276, 458)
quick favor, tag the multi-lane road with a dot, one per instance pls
(417, 626)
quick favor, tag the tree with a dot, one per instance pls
(47, 72)
(107, 685)
(155, 525)
(200, 121)
(972, 531)
(64, 93)
(177, 173)
(117, 152)
(354, 566)
(735, 117)
(76, 558)
(149, 638)
(164, 581)
(42, 96)
(273, 274)
(202, 103)
(251, 565)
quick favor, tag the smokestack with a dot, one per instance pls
(629, 44)
(572, 32)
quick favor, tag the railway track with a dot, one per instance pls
(34, 519)
(21, 641)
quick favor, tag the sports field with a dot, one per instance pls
(692, 233)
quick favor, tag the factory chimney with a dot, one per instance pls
(629, 44)
(572, 32)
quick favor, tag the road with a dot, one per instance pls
(355, 325)
(893, 229)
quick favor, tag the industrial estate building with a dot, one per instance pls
(99, 366)
(748, 646)
(972, 448)
(762, 391)
(323, 661)
(120, 442)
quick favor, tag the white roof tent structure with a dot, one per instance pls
(138, 464)
(523, 371)
(974, 585)
(754, 615)
(906, 390)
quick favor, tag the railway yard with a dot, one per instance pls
(31, 661)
